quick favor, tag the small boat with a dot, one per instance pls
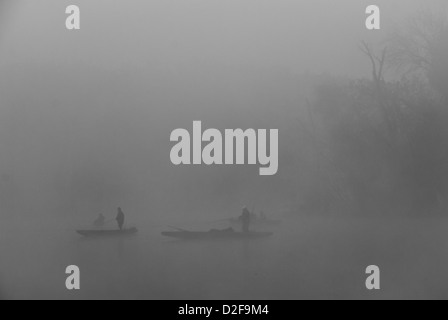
(215, 235)
(107, 233)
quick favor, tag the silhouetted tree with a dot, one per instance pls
(422, 48)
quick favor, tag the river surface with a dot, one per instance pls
(307, 258)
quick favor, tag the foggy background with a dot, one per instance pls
(85, 121)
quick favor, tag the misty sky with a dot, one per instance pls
(72, 102)
(296, 35)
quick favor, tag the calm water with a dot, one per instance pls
(307, 258)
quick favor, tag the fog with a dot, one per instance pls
(85, 123)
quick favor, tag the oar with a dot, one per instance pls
(178, 229)
(219, 220)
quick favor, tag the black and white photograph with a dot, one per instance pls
(240, 152)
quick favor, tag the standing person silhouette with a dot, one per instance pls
(120, 218)
(245, 219)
